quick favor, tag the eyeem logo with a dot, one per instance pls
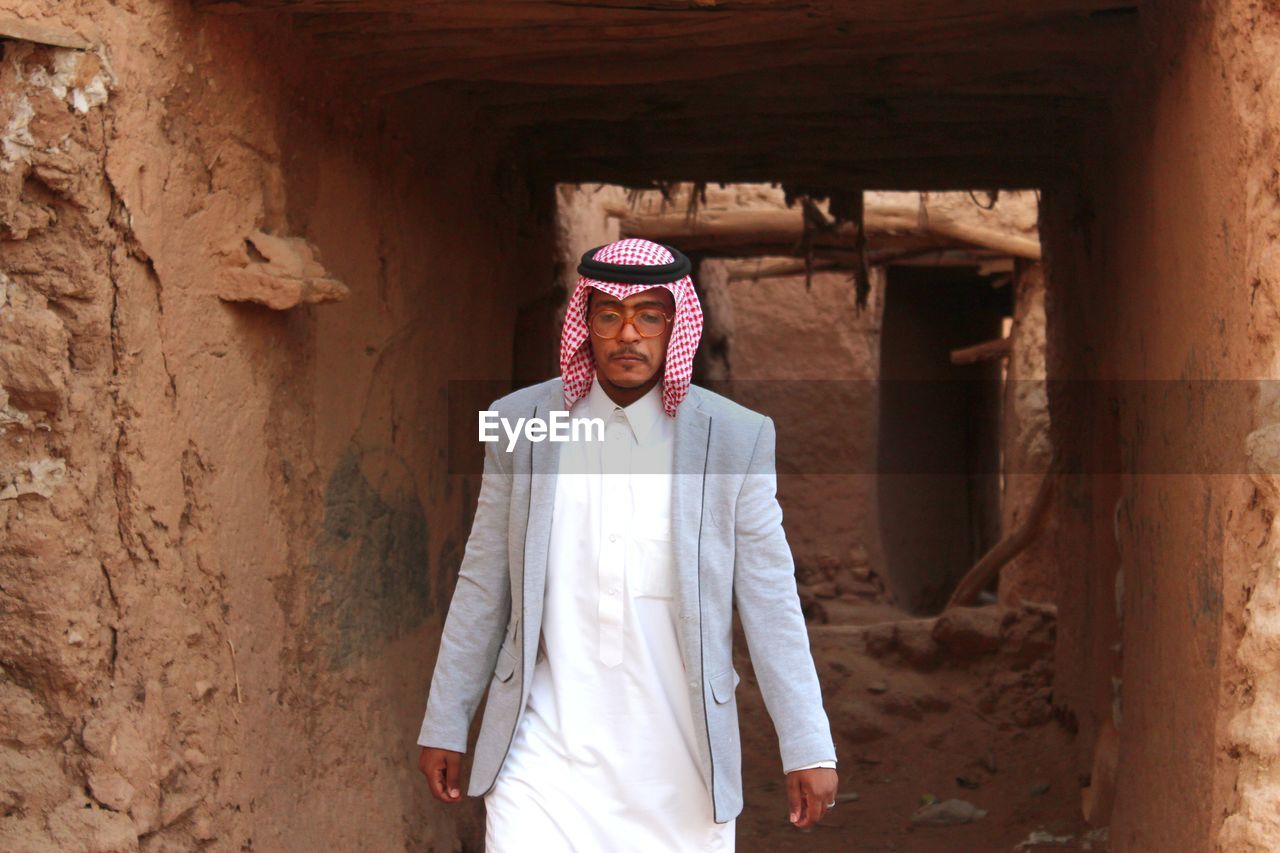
(559, 427)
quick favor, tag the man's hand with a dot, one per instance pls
(810, 791)
(441, 767)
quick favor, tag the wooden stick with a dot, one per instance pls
(861, 269)
(988, 568)
(985, 351)
(235, 672)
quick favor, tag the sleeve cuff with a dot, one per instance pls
(805, 750)
(828, 763)
(433, 735)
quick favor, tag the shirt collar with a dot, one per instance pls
(643, 415)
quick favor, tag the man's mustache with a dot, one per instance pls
(629, 352)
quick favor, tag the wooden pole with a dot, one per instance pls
(985, 351)
(988, 568)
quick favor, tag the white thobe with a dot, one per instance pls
(605, 756)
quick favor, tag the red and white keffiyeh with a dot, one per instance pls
(577, 367)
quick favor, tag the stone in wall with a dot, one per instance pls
(281, 273)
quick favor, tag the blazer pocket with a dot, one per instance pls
(506, 665)
(723, 684)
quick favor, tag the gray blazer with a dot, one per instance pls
(729, 548)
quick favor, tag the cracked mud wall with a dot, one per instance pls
(228, 533)
(1161, 268)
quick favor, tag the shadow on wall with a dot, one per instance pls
(372, 565)
(938, 452)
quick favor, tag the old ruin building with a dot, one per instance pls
(246, 245)
(787, 334)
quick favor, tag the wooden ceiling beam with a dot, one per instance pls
(836, 86)
(756, 265)
(435, 31)
(822, 106)
(797, 137)
(746, 231)
(1009, 72)
(874, 94)
(1011, 169)
(515, 10)
(489, 53)
(1061, 33)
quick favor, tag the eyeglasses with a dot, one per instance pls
(648, 323)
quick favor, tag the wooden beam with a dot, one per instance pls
(988, 568)
(728, 231)
(829, 136)
(431, 37)
(779, 232)
(885, 75)
(940, 172)
(921, 166)
(863, 12)
(985, 351)
(1008, 244)
(491, 34)
(993, 45)
(521, 106)
(831, 261)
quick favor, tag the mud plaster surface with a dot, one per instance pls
(1160, 268)
(226, 536)
(167, 458)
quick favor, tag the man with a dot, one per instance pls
(614, 565)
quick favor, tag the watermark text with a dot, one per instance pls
(558, 427)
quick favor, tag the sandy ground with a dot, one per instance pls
(924, 708)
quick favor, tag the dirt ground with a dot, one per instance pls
(955, 707)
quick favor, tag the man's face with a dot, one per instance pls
(631, 360)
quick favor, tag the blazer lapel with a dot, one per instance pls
(544, 467)
(692, 437)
